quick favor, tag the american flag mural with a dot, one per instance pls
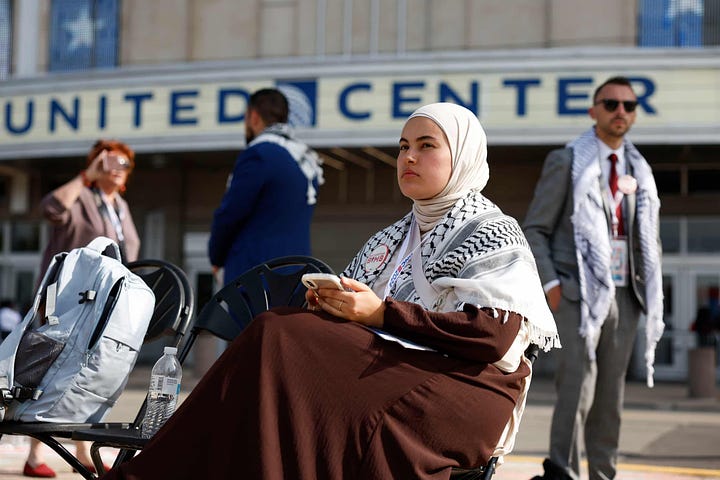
(5, 36)
(83, 34)
(671, 23)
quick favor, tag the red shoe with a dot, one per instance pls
(91, 468)
(41, 471)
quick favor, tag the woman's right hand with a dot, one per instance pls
(554, 295)
(95, 170)
(357, 303)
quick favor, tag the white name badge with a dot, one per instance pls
(619, 261)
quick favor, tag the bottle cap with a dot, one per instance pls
(170, 350)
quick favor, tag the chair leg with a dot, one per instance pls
(66, 455)
(123, 456)
(490, 469)
(482, 473)
(97, 459)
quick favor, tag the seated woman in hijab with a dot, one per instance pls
(329, 392)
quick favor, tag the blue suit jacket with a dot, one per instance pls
(264, 213)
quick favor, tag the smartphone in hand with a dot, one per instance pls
(315, 281)
(113, 161)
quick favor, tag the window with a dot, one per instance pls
(703, 235)
(24, 236)
(711, 23)
(670, 234)
(703, 181)
(83, 34)
(20, 254)
(668, 181)
(24, 289)
(690, 235)
(5, 187)
(678, 23)
(5, 38)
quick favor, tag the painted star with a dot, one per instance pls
(82, 30)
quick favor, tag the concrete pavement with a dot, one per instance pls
(665, 433)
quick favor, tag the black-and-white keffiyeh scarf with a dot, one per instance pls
(475, 254)
(593, 244)
(307, 159)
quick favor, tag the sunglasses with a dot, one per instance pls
(612, 105)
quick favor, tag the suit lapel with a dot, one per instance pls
(605, 195)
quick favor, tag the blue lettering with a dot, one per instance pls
(648, 91)
(176, 107)
(398, 98)
(343, 101)
(102, 112)
(18, 130)
(565, 95)
(447, 94)
(137, 99)
(521, 85)
(223, 95)
(57, 108)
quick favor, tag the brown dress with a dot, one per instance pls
(304, 395)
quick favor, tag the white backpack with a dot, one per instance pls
(69, 360)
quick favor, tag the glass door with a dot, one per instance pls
(706, 323)
(691, 280)
(20, 254)
(671, 351)
(691, 287)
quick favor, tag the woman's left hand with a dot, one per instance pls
(360, 305)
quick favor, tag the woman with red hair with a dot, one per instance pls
(87, 206)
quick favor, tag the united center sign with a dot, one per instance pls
(194, 109)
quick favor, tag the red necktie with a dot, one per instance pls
(613, 189)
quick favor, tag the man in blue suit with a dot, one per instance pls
(269, 202)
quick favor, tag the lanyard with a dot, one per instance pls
(412, 242)
(615, 202)
(109, 212)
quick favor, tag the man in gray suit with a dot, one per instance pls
(593, 228)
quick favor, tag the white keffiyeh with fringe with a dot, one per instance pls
(593, 250)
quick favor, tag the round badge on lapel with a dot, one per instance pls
(627, 184)
(376, 258)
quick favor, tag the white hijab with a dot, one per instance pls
(468, 149)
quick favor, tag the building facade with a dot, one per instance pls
(172, 77)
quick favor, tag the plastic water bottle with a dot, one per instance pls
(164, 390)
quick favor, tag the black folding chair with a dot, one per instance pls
(171, 306)
(485, 472)
(174, 302)
(271, 284)
(174, 306)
